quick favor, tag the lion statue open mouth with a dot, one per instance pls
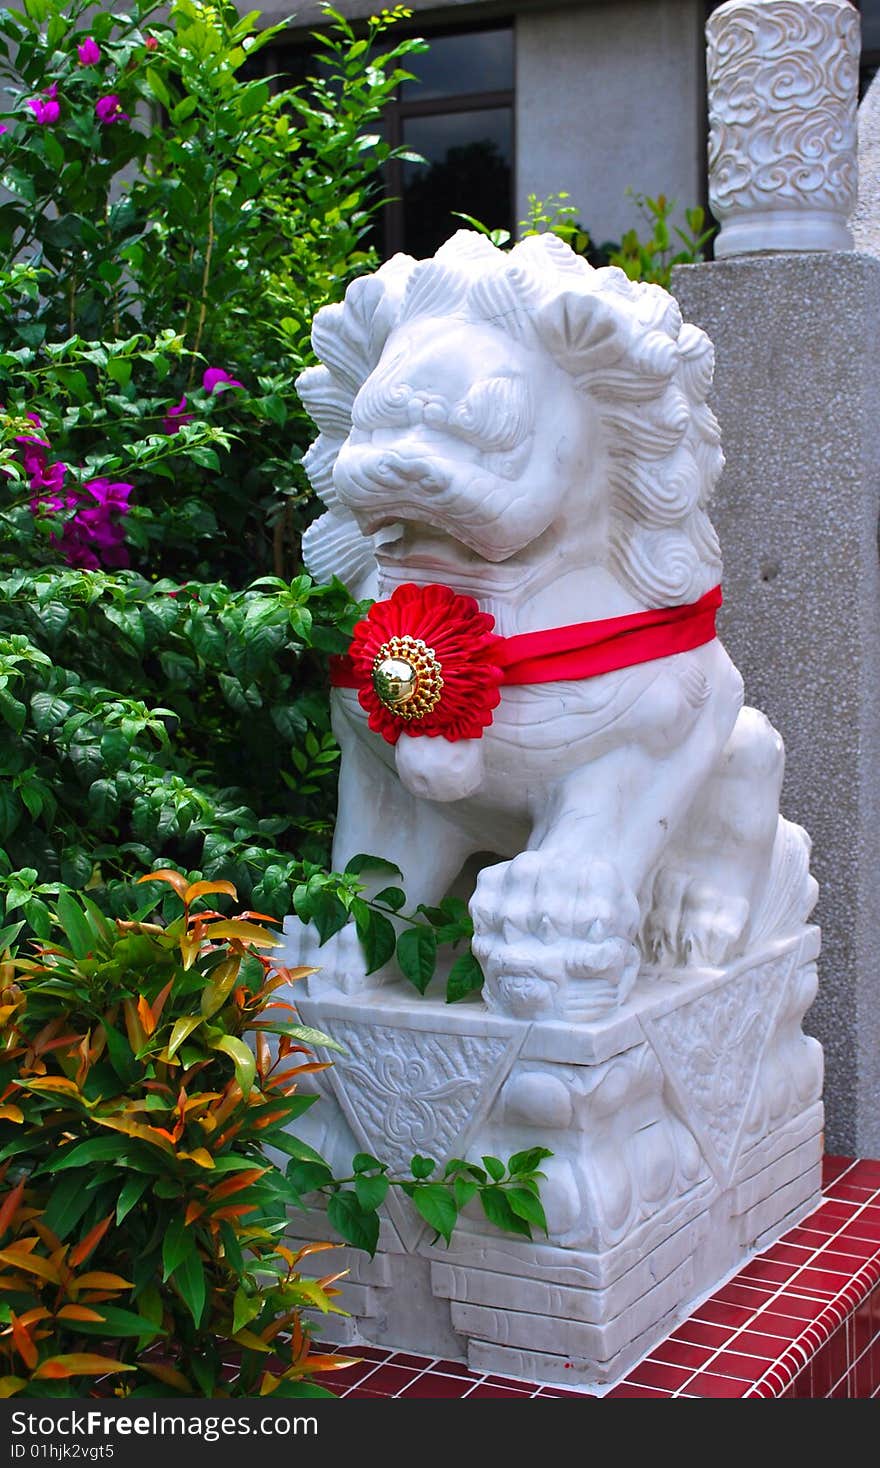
(531, 433)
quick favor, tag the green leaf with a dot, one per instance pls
(363, 1162)
(76, 926)
(371, 1191)
(189, 1276)
(463, 1190)
(305, 1177)
(204, 456)
(498, 1211)
(156, 84)
(438, 1208)
(465, 977)
(122, 1059)
(119, 369)
(328, 914)
(218, 988)
(12, 711)
(232, 1247)
(422, 1167)
(245, 1309)
(39, 917)
(183, 110)
(356, 1226)
(392, 897)
(76, 869)
(132, 1191)
(119, 1322)
(300, 1032)
(178, 1243)
(11, 810)
(181, 1031)
(103, 801)
(98, 1149)
(527, 1161)
(417, 955)
(526, 1205)
(364, 863)
(130, 624)
(242, 1058)
(115, 748)
(495, 1168)
(33, 800)
(8, 935)
(376, 933)
(68, 1202)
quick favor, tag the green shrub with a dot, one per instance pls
(174, 222)
(145, 1067)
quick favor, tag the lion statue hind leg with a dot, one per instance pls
(736, 871)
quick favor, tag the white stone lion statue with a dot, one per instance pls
(526, 431)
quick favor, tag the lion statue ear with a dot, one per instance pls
(348, 339)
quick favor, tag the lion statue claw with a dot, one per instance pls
(525, 432)
(534, 905)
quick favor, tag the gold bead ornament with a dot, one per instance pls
(407, 677)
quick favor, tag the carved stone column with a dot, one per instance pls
(783, 102)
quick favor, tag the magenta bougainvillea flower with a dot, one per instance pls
(109, 109)
(3, 127)
(214, 377)
(46, 108)
(89, 52)
(151, 43)
(93, 536)
(176, 417)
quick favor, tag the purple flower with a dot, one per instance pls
(89, 52)
(52, 504)
(214, 377)
(109, 109)
(3, 127)
(110, 494)
(48, 111)
(76, 550)
(176, 417)
(45, 477)
(33, 455)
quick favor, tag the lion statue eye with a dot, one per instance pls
(496, 413)
(383, 402)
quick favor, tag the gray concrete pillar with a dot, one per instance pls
(797, 393)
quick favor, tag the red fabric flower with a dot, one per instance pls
(449, 681)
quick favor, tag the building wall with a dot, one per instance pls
(609, 97)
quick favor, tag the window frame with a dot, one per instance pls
(389, 223)
(401, 108)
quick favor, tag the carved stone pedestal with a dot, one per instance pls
(686, 1128)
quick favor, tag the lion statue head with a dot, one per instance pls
(487, 397)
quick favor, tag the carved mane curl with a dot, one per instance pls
(623, 343)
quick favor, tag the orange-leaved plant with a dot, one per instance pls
(141, 1222)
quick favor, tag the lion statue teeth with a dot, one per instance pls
(534, 434)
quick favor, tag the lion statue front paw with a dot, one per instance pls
(555, 936)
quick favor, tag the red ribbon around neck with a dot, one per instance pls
(462, 663)
(586, 649)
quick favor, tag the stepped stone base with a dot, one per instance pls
(686, 1131)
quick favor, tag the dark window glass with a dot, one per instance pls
(458, 115)
(478, 61)
(870, 25)
(469, 157)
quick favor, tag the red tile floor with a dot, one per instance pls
(800, 1320)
